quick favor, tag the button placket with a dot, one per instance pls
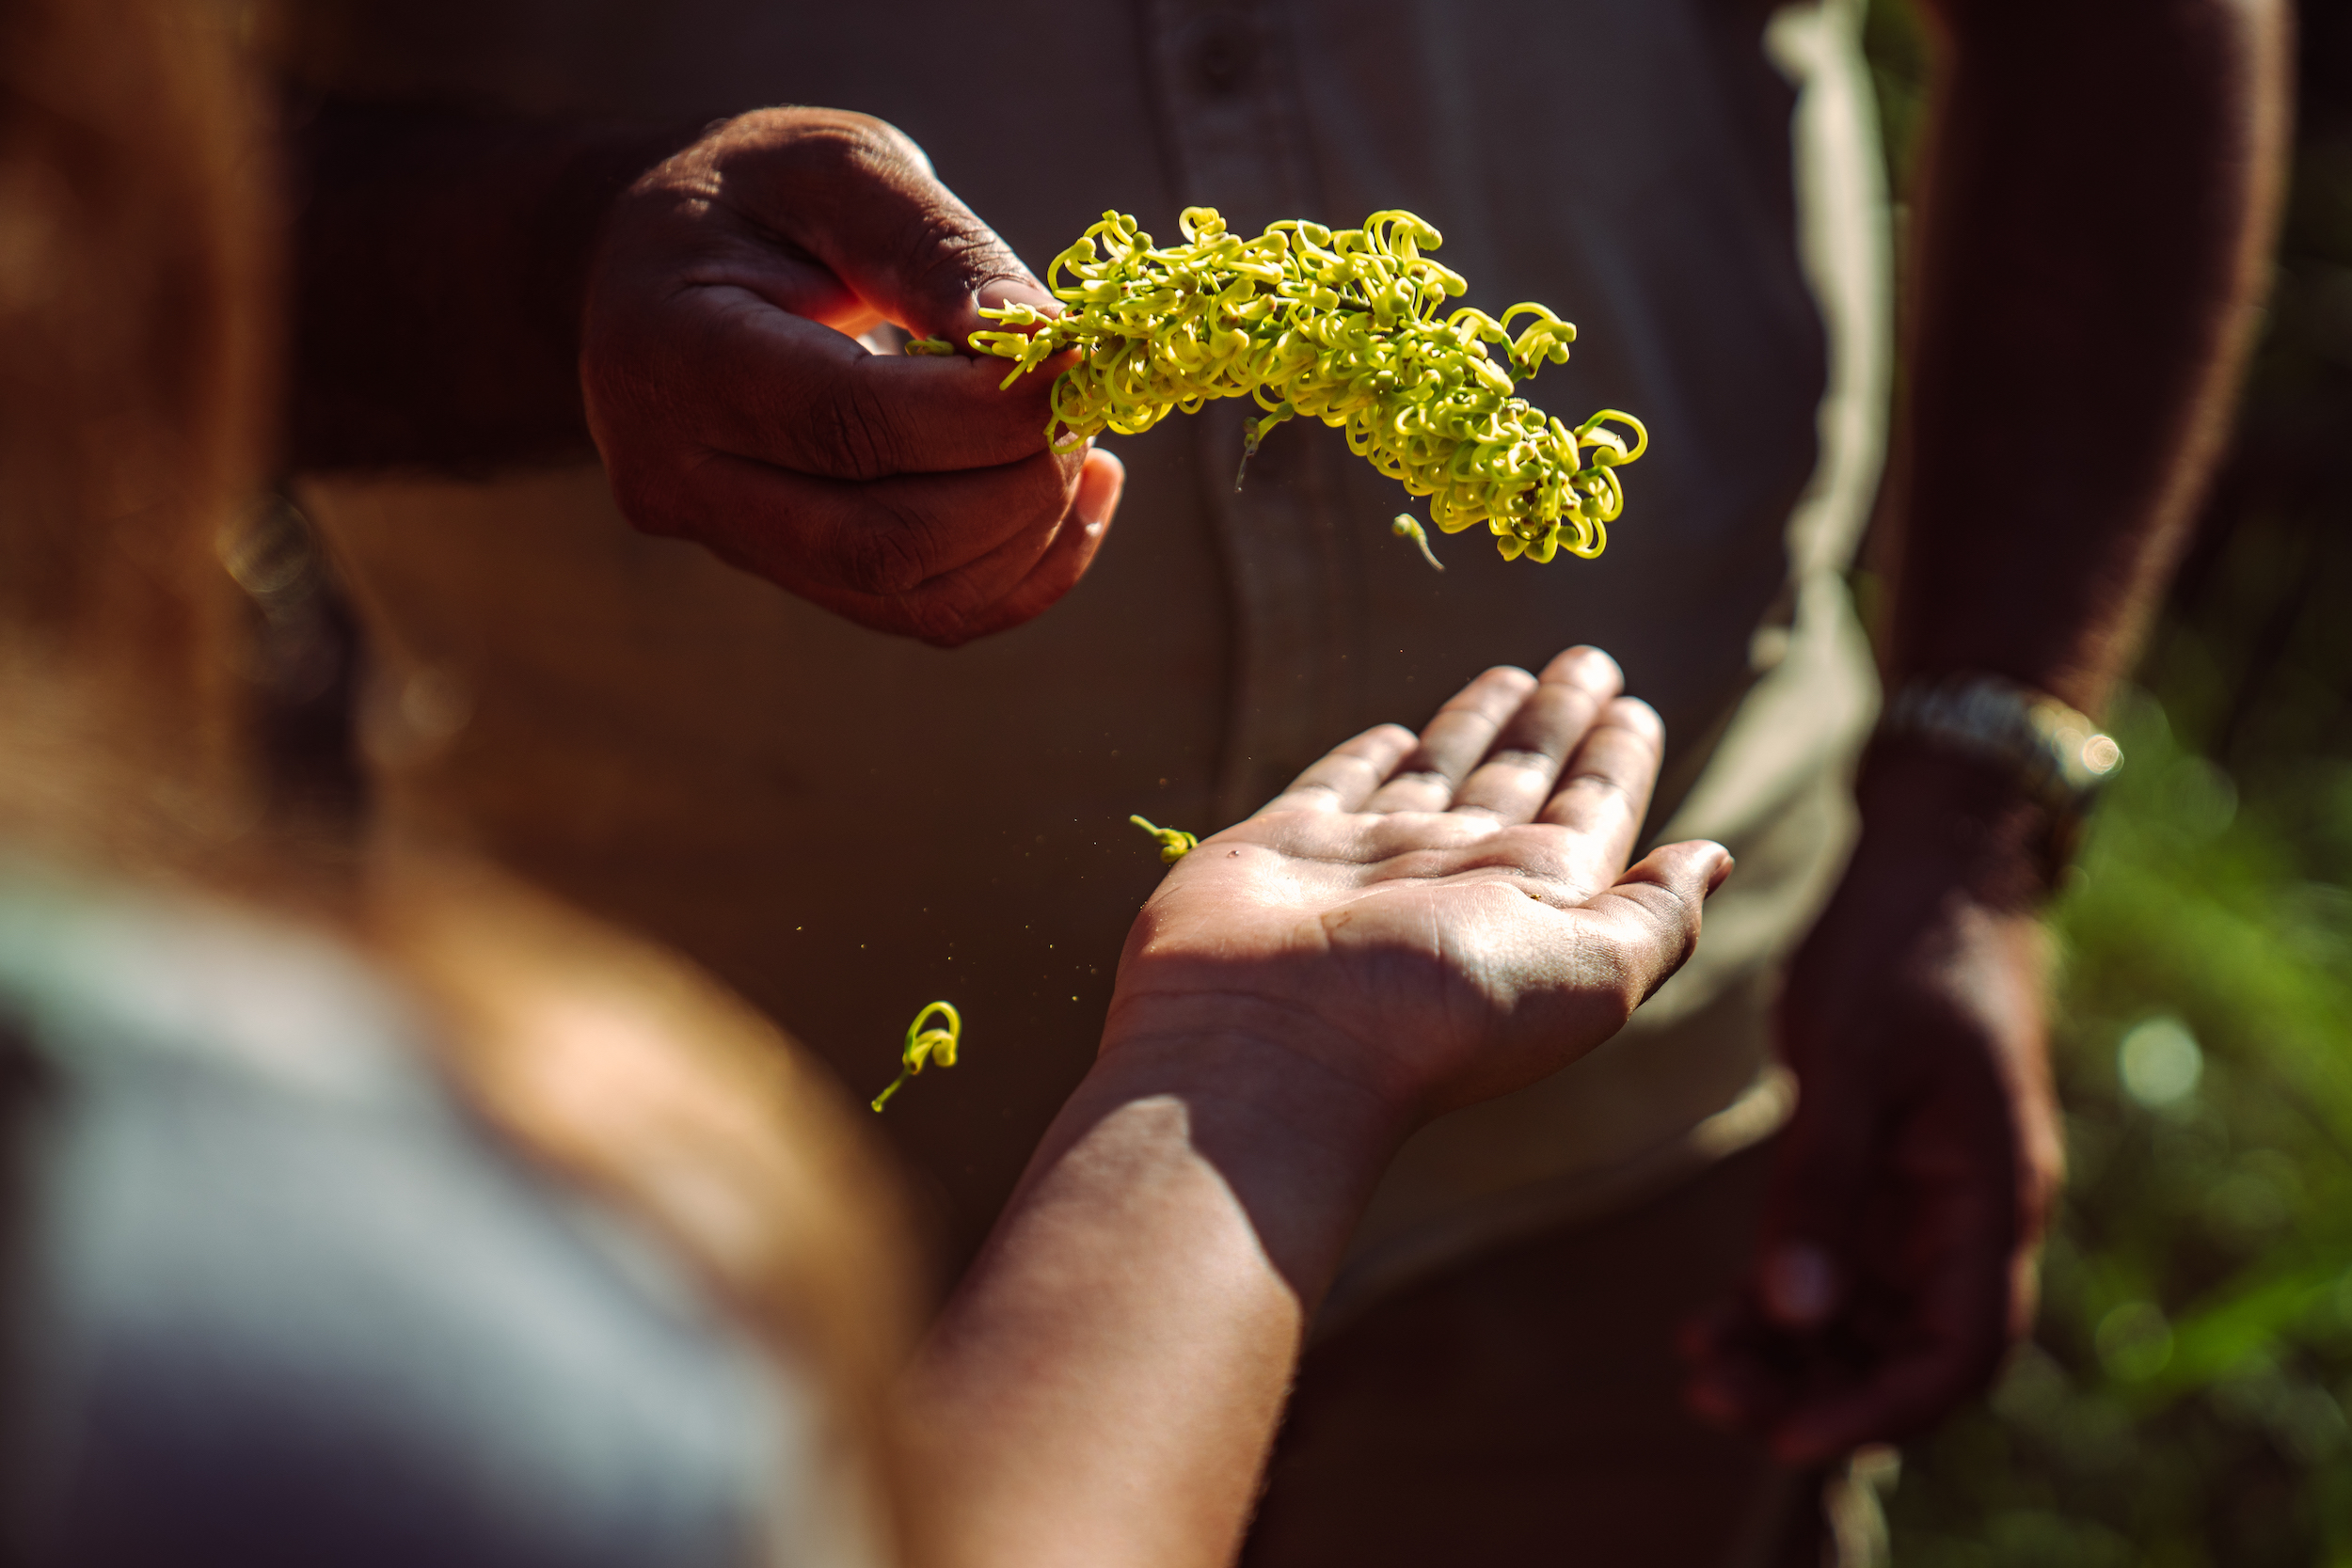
(1234, 134)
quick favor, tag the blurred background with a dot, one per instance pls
(2184, 1399)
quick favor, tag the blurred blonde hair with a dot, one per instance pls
(140, 247)
(136, 253)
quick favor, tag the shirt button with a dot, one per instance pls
(1224, 54)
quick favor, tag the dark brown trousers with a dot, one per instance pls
(1524, 1409)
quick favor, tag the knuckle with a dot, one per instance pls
(844, 140)
(858, 434)
(877, 144)
(958, 254)
(1638, 716)
(1673, 919)
(883, 555)
(649, 517)
(644, 499)
(1416, 771)
(656, 521)
(1030, 495)
(940, 622)
(1523, 757)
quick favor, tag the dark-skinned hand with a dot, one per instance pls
(1895, 1265)
(733, 405)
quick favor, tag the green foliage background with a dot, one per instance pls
(2184, 1399)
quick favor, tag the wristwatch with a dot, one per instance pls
(2058, 755)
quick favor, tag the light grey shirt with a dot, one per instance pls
(275, 1300)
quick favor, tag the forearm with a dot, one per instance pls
(2098, 187)
(440, 259)
(1104, 1387)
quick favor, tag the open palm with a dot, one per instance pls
(1439, 918)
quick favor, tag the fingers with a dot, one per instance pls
(888, 537)
(1923, 1274)
(1065, 560)
(1883, 1295)
(1452, 743)
(912, 494)
(1496, 746)
(1820, 1182)
(1345, 776)
(1605, 793)
(1950, 1350)
(1516, 777)
(1902, 1348)
(755, 381)
(727, 282)
(860, 195)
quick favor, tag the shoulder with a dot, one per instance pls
(290, 1303)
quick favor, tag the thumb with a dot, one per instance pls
(859, 195)
(1650, 917)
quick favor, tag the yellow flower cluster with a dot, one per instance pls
(1344, 326)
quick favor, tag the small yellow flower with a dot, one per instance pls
(925, 1047)
(1175, 844)
(1408, 526)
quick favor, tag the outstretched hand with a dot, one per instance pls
(733, 405)
(1417, 923)
(1433, 919)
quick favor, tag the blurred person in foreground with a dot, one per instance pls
(495, 269)
(410, 1219)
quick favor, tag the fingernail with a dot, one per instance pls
(1018, 290)
(1100, 484)
(1594, 667)
(1722, 873)
(1800, 1285)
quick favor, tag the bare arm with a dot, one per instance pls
(2099, 184)
(1415, 926)
(1106, 1390)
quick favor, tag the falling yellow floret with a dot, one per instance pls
(1175, 844)
(1339, 326)
(925, 1047)
(1406, 526)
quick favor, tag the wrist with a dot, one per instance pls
(2007, 770)
(1247, 1060)
(1299, 1147)
(1254, 1059)
(1972, 818)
